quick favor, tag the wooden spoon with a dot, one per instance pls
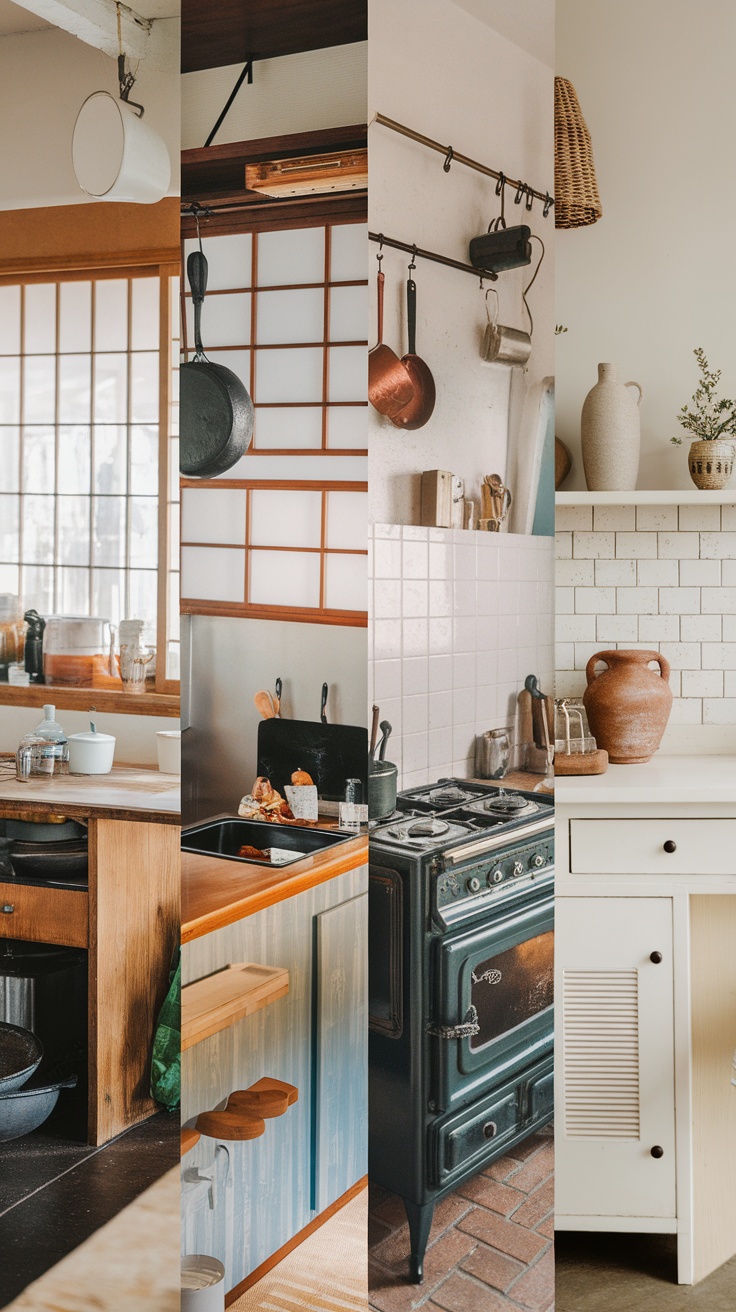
(264, 703)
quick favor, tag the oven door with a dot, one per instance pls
(493, 991)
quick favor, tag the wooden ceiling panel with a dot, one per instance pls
(220, 32)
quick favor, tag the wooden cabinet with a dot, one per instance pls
(44, 915)
(645, 1002)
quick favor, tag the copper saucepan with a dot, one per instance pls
(390, 385)
(416, 413)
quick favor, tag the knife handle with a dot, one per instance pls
(322, 713)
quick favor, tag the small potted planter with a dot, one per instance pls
(711, 424)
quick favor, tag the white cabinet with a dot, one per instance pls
(615, 1059)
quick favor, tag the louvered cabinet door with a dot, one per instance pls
(615, 1057)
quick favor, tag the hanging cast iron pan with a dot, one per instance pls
(419, 409)
(390, 386)
(216, 410)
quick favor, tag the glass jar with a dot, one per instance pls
(12, 635)
(78, 651)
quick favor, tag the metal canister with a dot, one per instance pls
(492, 750)
(382, 781)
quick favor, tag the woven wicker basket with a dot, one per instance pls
(577, 202)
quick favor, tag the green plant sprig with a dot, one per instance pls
(710, 418)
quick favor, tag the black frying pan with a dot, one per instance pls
(216, 410)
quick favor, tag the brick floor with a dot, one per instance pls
(490, 1248)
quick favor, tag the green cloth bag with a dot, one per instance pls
(166, 1055)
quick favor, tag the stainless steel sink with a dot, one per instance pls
(284, 843)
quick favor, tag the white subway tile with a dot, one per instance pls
(486, 667)
(718, 546)
(682, 655)
(465, 561)
(700, 628)
(387, 531)
(415, 713)
(583, 653)
(563, 546)
(415, 637)
(595, 601)
(678, 546)
(728, 516)
(439, 673)
(659, 628)
(488, 560)
(414, 598)
(617, 628)
(720, 711)
(415, 674)
(387, 558)
(565, 601)
(440, 635)
(440, 710)
(651, 518)
(729, 683)
(463, 670)
(439, 750)
(614, 573)
(658, 573)
(678, 601)
(508, 597)
(386, 599)
(386, 679)
(729, 628)
(719, 655)
(509, 665)
(487, 597)
(699, 573)
(612, 518)
(575, 573)
(636, 546)
(702, 683)
(569, 683)
(565, 655)
(718, 601)
(440, 560)
(391, 711)
(637, 601)
(700, 518)
(508, 631)
(415, 559)
(728, 572)
(465, 633)
(387, 639)
(414, 751)
(591, 546)
(569, 518)
(486, 703)
(675, 682)
(686, 710)
(463, 741)
(487, 632)
(575, 628)
(440, 597)
(415, 533)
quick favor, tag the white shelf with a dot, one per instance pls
(649, 497)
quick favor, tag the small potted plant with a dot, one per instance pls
(711, 425)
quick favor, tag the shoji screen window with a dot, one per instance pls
(84, 390)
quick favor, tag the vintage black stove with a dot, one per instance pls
(461, 958)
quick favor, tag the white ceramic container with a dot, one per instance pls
(168, 743)
(91, 753)
(202, 1284)
(116, 155)
(610, 432)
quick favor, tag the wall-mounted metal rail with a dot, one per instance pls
(418, 253)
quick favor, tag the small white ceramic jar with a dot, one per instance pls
(202, 1284)
(168, 743)
(91, 753)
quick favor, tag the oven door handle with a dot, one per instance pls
(467, 1029)
(491, 844)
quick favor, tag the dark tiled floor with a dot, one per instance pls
(620, 1273)
(61, 1193)
(490, 1249)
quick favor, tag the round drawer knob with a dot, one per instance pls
(8, 909)
(496, 876)
(656, 957)
(518, 869)
(473, 885)
(670, 845)
(489, 1130)
(656, 1151)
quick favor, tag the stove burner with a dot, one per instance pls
(422, 833)
(507, 804)
(429, 828)
(449, 796)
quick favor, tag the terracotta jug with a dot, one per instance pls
(628, 705)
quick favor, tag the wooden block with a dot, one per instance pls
(233, 1126)
(212, 1004)
(189, 1136)
(267, 1098)
(567, 763)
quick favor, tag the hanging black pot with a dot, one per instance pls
(216, 410)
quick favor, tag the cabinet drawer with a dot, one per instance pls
(472, 1135)
(44, 915)
(653, 847)
(541, 1097)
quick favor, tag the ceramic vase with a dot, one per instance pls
(610, 430)
(628, 705)
(711, 463)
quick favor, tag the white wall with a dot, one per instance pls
(297, 93)
(655, 277)
(45, 78)
(135, 734)
(438, 69)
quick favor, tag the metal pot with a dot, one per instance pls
(20, 1056)
(382, 781)
(22, 1111)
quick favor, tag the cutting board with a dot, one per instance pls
(330, 753)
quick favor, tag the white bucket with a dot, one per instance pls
(168, 743)
(202, 1284)
(116, 155)
(91, 753)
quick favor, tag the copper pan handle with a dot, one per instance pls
(381, 281)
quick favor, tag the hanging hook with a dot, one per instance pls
(500, 222)
(413, 264)
(500, 184)
(448, 159)
(519, 193)
(548, 203)
(529, 198)
(379, 255)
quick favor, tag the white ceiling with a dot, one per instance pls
(14, 20)
(528, 23)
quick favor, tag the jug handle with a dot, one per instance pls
(590, 674)
(639, 389)
(664, 667)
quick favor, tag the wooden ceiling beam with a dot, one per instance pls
(224, 32)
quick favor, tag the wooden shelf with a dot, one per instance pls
(690, 496)
(218, 1001)
(245, 1113)
(112, 700)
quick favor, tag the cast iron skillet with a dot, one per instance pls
(216, 410)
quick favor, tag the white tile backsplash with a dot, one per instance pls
(663, 577)
(461, 618)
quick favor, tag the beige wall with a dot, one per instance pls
(655, 277)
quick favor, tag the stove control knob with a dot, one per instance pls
(473, 885)
(536, 861)
(518, 868)
(495, 876)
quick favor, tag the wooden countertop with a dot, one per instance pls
(216, 891)
(127, 793)
(131, 1265)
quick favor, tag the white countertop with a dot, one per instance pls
(665, 779)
